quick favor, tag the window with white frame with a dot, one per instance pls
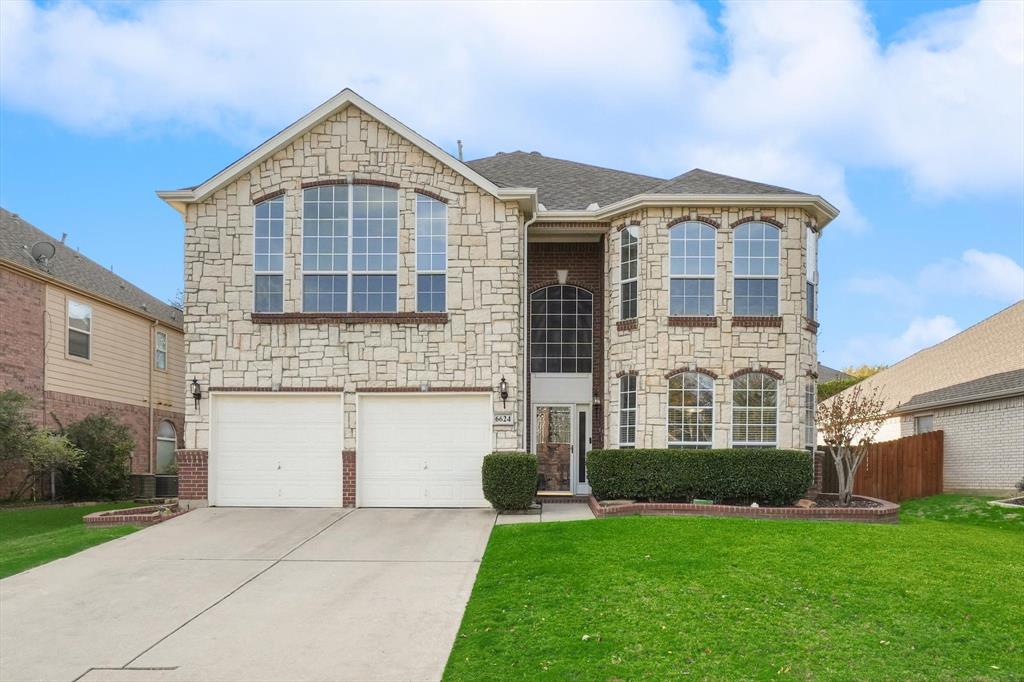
(754, 411)
(79, 330)
(811, 265)
(374, 249)
(431, 254)
(924, 423)
(325, 249)
(160, 357)
(561, 329)
(692, 269)
(268, 255)
(810, 407)
(628, 269)
(691, 400)
(627, 411)
(756, 269)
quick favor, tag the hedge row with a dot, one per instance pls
(762, 475)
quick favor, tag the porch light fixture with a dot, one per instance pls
(503, 391)
(197, 392)
(597, 401)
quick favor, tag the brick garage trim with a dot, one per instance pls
(756, 321)
(350, 318)
(692, 321)
(348, 478)
(750, 370)
(887, 512)
(430, 389)
(431, 195)
(627, 325)
(695, 219)
(193, 474)
(752, 219)
(269, 195)
(282, 389)
(684, 370)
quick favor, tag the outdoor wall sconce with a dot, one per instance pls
(597, 401)
(197, 392)
(503, 391)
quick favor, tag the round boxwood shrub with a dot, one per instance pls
(741, 475)
(510, 480)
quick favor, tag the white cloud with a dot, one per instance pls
(791, 105)
(874, 349)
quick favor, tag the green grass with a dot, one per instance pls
(33, 536)
(938, 597)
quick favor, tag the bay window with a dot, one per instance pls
(691, 400)
(756, 269)
(692, 269)
(811, 266)
(754, 411)
(627, 411)
(628, 270)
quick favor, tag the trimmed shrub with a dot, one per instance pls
(510, 480)
(103, 472)
(763, 475)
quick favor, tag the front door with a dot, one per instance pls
(562, 440)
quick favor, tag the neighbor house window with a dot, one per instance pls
(692, 269)
(431, 254)
(810, 405)
(350, 249)
(79, 330)
(166, 443)
(268, 256)
(627, 411)
(924, 423)
(756, 269)
(691, 400)
(628, 268)
(561, 329)
(754, 410)
(811, 266)
(160, 360)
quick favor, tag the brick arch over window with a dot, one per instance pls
(752, 219)
(750, 370)
(626, 373)
(696, 219)
(683, 370)
(623, 226)
(555, 283)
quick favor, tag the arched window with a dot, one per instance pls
(561, 329)
(628, 270)
(166, 443)
(755, 411)
(756, 269)
(691, 400)
(692, 269)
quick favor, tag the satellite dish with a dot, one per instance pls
(42, 252)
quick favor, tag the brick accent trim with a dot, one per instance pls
(695, 219)
(756, 321)
(627, 325)
(348, 478)
(581, 225)
(135, 516)
(269, 195)
(324, 183)
(568, 283)
(631, 223)
(350, 318)
(692, 321)
(684, 370)
(193, 477)
(887, 512)
(750, 370)
(282, 389)
(627, 372)
(752, 219)
(430, 389)
(811, 325)
(432, 195)
(378, 183)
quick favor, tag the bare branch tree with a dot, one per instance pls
(848, 424)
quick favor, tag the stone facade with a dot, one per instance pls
(657, 345)
(983, 443)
(479, 342)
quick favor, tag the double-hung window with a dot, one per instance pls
(160, 357)
(691, 400)
(812, 272)
(431, 254)
(756, 269)
(350, 249)
(627, 411)
(810, 408)
(754, 411)
(268, 256)
(79, 330)
(628, 269)
(692, 269)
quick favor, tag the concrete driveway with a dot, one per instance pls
(250, 594)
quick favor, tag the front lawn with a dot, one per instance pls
(35, 535)
(937, 597)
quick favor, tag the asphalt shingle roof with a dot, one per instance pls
(1003, 383)
(70, 266)
(700, 181)
(826, 373)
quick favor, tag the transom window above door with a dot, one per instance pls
(561, 329)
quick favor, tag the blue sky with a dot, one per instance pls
(907, 115)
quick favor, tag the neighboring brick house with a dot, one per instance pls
(357, 316)
(78, 340)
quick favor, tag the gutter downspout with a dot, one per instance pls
(526, 327)
(152, 358)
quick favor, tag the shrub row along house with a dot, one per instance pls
(79, 340)
(366, 316)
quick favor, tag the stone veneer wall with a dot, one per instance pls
(655, 347)
(474, 348)
(983, 443)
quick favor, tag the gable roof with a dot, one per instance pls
(1002, 385)
(70, 267)
(826, 373)
(990, 347)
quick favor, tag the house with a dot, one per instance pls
(971, 387)
(826, 374)
(366, 316)
(78, 340)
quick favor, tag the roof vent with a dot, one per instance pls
(535, 153)
(594, 206)
(542, 207)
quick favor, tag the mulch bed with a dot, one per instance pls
(1016, 501)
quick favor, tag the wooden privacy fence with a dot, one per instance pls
(894, 470)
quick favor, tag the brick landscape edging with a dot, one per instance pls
(888, 512)
(136, 516)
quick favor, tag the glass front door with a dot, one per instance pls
(554, 430)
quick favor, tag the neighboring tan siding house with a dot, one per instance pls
(368, 315)
(971, 387)
(79, 340)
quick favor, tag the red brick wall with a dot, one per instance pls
(192, 474)
(22, 337)
(585, 263)
(348, 478)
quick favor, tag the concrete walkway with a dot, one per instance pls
(551, 511)
(250, 594)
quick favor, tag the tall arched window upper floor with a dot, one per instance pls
(692, 259)
(756, 269)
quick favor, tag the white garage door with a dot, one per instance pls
(422, 450)
(276, 450)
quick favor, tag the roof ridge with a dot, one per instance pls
(575, 163)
